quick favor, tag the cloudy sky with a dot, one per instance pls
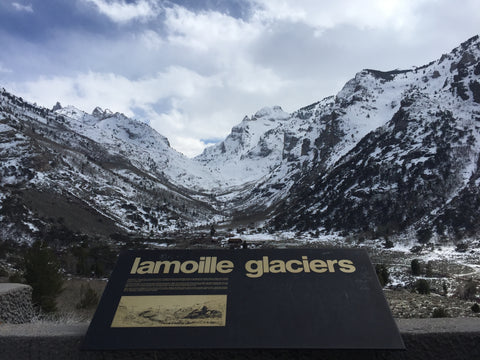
(194, 68)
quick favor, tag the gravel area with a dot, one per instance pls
(405, 305)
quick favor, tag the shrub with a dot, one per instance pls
(416, 249)
(439, 313)
(461, 247)
(3, 272)
(428, 270)
(383, 274)
(445, 288)
(422, 286)
(468, 291)
(16, 277)
(88, 297)
(424, 235)
(388, 244)
(475, 308)
(212, 230)
(415, 267)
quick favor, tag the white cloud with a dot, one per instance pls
(116, 92)
(199, 107)
(189, 146)
(20, 7)
(197, 73)
(249, 77)
(322, 14)
(151, 40)
(207, 31)
(121, 12)
(181, 86)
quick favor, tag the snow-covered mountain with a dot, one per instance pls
(391, 152)
(416, 167)
(95, 174)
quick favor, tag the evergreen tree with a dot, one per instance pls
(415, 266)
(383, 274)
(424, 235)
(42, 273)
(422, 286)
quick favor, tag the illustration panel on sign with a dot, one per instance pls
(171, 311)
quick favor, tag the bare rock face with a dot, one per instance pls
(15, 303)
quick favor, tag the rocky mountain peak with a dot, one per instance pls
(57, 106)
(98, 112)
(472, 45)
(271, 113)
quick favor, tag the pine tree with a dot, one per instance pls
(42, 273)
(415, 266)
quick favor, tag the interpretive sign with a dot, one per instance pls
(272, 298)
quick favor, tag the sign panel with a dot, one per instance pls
(233, 299)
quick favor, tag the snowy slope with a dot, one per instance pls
(420, 158)
(392, 151)
(252, 149)
(89, 173)
(140, 143)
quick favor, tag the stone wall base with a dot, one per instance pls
(439, 339)
(15, 303)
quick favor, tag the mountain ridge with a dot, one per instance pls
(444, 103)
(392, 152)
